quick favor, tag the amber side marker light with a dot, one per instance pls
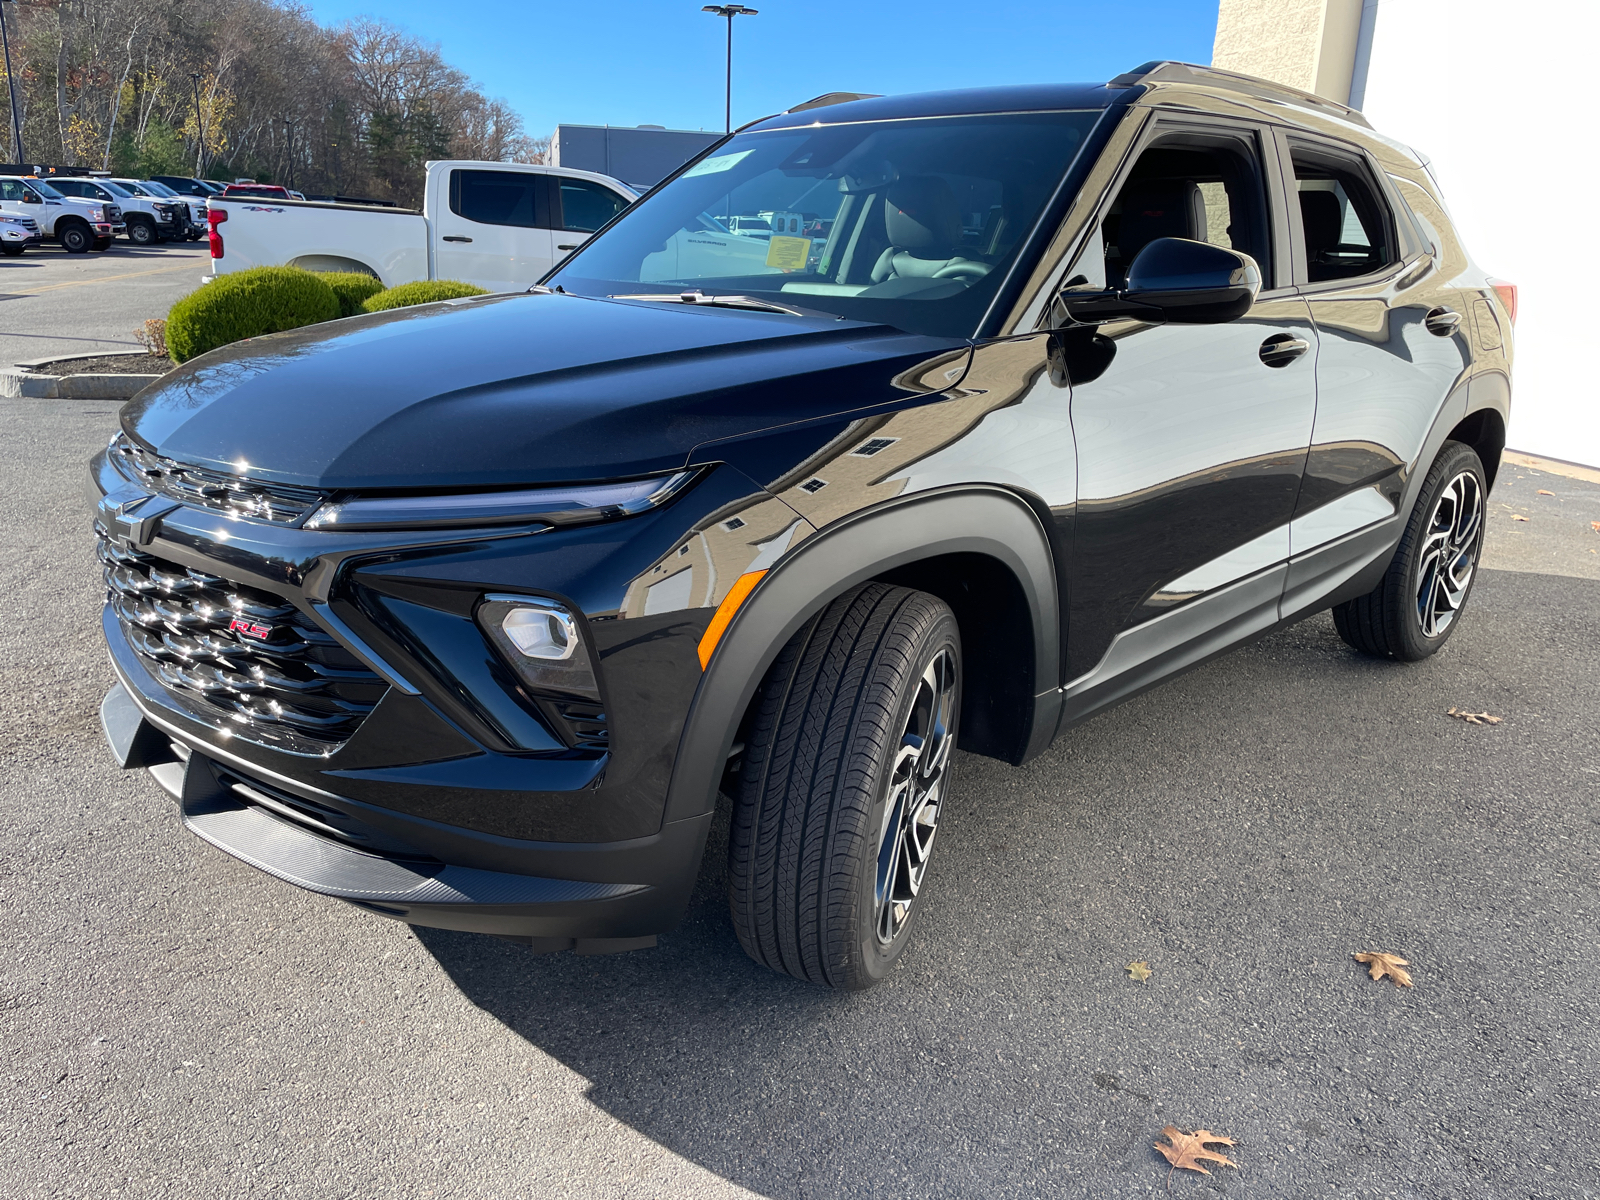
(742, 587)
(1508, 296)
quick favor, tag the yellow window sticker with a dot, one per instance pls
(788, 253)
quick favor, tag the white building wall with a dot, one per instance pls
(1497, 95)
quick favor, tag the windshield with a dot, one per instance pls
(136, 188)
(44, 189)
(911, 223)
(157, 189)
(116, 189)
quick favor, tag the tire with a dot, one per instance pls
(101, 245)
(846, 771)
(1418, 604)
(11, 251)
(76, 239)
(142, 233)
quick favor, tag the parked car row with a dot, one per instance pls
(88, 213)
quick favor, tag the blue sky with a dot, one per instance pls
(632, 62)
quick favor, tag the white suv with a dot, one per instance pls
(79, 225)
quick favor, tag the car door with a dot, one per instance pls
(1392, 327)
(493, 228)
(581, 207)
(1190, 439)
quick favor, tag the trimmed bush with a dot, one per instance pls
(425, 292)
(353, 289)
(247, 304)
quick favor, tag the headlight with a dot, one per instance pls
(97, 214)
(549, 506)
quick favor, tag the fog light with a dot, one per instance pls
(542, 641)
(545, 633)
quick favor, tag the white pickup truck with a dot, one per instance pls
(499, 225)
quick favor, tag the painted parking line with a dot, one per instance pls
(51, 287)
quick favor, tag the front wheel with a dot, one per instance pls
(1416, 606)
(142, 233)
(76, 239)
(101, 245)
(10, 250)
(845, 776)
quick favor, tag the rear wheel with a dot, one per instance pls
(76, 238)
(845, 776)
(1414, 609)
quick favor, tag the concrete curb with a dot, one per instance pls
(19, 382)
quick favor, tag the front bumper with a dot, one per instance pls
(323, 845)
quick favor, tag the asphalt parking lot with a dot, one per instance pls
(52, 302)
(178, 1025)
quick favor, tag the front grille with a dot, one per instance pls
(244, 660)
(586, 724)
(27, 223)
(113, 213)
(281, 503)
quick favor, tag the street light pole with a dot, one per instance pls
(11, 84)
(730, 11)
(199, 124)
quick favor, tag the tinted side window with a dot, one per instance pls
(68, 188)
(586, 206)
(1204, 188)
(500, 198)
(1346, 226)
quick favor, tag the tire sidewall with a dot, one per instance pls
(76, 240)
(877, 960)
(1457, 458)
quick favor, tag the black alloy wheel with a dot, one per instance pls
(845, 776)
(76, 238)
(142, 233)
(1415, 608)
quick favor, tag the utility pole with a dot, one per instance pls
(730, 11)
(199, 123)
(11, 84)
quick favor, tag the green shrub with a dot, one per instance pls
(353, 289)
(247, 304)
(425, 292)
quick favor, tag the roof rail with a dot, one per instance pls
(1161, 71)
(827, 98)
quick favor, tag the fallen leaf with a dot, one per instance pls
(1379, 965)
(1139, 970)
(1542, 492)
(1482, 718)
(1186, 1150)
(1595, 525)
(1518, 517)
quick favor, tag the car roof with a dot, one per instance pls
(1040, 97)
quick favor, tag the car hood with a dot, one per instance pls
(519, 389)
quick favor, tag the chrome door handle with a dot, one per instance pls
(1442, 322)
(456, 239)
(1281, 349)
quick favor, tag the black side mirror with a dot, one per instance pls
(32, 198)
(1176, 281)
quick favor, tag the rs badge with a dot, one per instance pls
(249, 628)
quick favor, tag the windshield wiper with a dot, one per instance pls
(704, 301)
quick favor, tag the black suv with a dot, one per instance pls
(883, 427)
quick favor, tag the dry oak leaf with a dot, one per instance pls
(1186, 1150)
(1471, 718)
(1542, 492)
(1139, 970)
(1518, 517)
(1379, 965)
